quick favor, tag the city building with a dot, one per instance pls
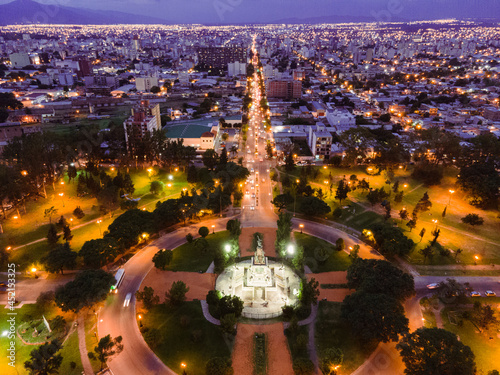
(145, 119)
(219, 57)
(145, 83)
(284, 89)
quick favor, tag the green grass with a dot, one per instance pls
(71, 353)
(25, 314)
(332, 331)
(486, 350)
(454, 234)
(337, 261)
(176, 343)
(34, 226)
(189, 257)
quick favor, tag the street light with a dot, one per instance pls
(227, 247)
(301, 226)
(451, 192)
(62, 200)
(99, 221)
(290, 249)
(213, 229)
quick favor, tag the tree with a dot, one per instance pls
(177, 293)
(219, 366)
(223, 156)
(99, 252)
(481, 182)
(482, 315)
(109, 198)
(412, 224)
(127, 228)
(147, 297)
(303, 366)
(78, 212)
(403, 214)
(48, 212)
(59, 258)
(156, 187)
(472, 219)
(429, 173)
(107, 347)
(210, 159)
(391, 241)
(340, 244)
(380, 276)
(313, 206)
(234, 227)
(421, 234)
(329, 360)
(88, 288)
(427, 252)
(155, 90)
(230, 305)
(342, 190)
(203, 232)
(424, 204)
(162, 259)
(374, 317)
(44, 360)
(67, 236)
(436, 351)
(52, 236)
(128, 185)
(281, 201)
(228, 324)
(310, 292)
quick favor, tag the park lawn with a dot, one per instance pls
(189, 258)
(24, 314)
(337, 261)
(176, 343)
(332, 331)
(454, 234)
(486, 350)
(91, 339)
(71, 353)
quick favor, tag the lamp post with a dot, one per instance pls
(301, 226)
(213, 229)
(451, 192)
(99, 221)
(62, 199)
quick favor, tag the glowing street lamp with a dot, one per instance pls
(62, 200)
(227, 248)
(24, 173)
(301, 226)
(99, 221)
(213, 229)
(290, 249)
(451, 192)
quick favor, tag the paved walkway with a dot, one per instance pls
(87, 367)
(207, 315)
(278, 356)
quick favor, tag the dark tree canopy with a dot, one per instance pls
(44, 360)
(99, 252)
(436, 351)
(313, 206)
(374, 317)
(391, 241)
(380, 276)
(88, 288)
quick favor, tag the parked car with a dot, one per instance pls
(490, 293)
(475, 294)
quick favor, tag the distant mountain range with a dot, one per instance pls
(31, 12)
(328, 19)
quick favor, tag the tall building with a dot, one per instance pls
(236, 68)
(284, 89)
(145, 118)
(219, 57)
(145, 83)
(19, 60)
(100, 84)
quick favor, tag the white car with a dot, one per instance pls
(490, 293)
(475, 294)
(126, 302)
(433, 286)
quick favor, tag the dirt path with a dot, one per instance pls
(161, 281)
(279, 359)
(246, 240)
(87, 367)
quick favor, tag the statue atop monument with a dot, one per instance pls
(259, 257)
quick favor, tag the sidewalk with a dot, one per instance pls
(87, 367)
